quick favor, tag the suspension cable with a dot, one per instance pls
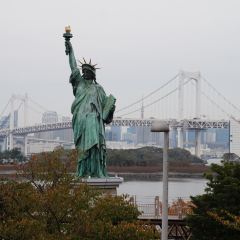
(150, 94)
(19, 106)
(5, 108)
(43, 108)
(214, 103)
(34, 110)
(159, 99)
(221, 95)
(40, 106)
(217, 105)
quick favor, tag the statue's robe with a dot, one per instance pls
(88, 126)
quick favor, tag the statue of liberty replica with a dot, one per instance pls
(91, 109)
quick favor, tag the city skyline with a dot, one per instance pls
(137, 53)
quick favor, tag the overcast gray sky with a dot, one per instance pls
(138, 44)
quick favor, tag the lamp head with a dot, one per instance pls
(160, 126)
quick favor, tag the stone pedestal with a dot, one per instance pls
(107, 185)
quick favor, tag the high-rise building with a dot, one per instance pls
(65, 134)
(61, 134)
(113, 133)
(132, 130)
(50, 117)
(66, 119)
(5, 122)
(143, 134)
(222, 137)
(129, 137)
(235, 137)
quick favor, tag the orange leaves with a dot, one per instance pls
(52, 204)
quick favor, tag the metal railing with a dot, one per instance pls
(177, 209)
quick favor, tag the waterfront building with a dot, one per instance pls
(235, 137)
(113, 133)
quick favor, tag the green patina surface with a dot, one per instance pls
(91, 109)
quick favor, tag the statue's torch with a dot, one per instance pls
(67, 35)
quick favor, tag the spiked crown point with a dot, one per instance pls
(89, 66)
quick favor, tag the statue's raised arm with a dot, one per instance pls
(69, 49)
(75, 77)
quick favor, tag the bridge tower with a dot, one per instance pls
(180, 108)
(197, 79)
(24, 99)
(183, 78)
(11, 125)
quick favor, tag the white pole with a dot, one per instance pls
(163, 126)
(186, 141)
(179, 137)
(165, 188)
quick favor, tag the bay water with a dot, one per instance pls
(145, 191)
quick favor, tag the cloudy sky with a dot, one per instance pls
(138, 44)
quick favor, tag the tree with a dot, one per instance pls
(14, 154)
(52, 204)
(148, 156)
(230, 157)
(216, 214)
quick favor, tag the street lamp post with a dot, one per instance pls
(162, 126)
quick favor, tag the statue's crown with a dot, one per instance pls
(89, 66)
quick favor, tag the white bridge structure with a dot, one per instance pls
(187, 101)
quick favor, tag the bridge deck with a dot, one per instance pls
(186, 124)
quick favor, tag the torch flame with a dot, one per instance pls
(67, 29)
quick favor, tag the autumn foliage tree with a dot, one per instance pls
(49, 203)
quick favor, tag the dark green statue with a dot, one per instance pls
(91, 109)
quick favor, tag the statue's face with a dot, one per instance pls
(88, 75)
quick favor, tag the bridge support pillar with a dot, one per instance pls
(4, 145)
(180, 137)
(186, 137)
(10, 142)
(197, 142)
(7, 142)
(25, 145)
